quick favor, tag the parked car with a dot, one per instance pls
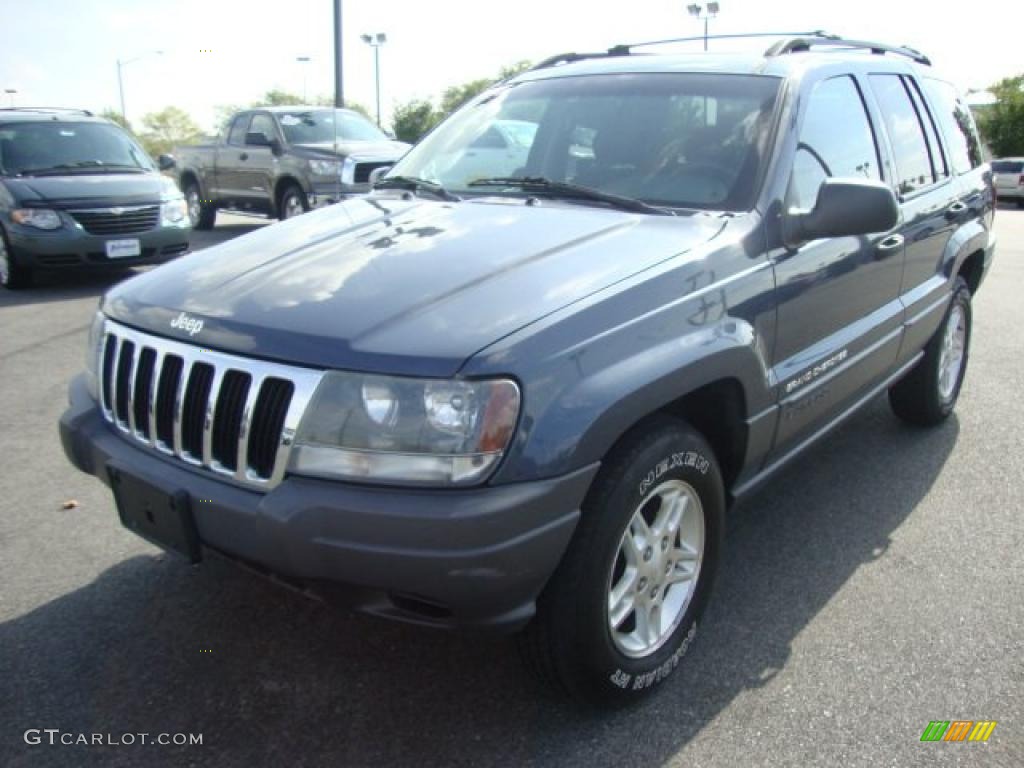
(527, 403)
(1008, 175)
(78, 191)
(283, 161)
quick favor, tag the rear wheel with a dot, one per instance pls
(622, 608)
(926, 396)
(13, 276)
(292, 203)
(201, 213)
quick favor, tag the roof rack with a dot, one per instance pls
(49, 110)
(801, 44)
(626, 48)
(568, 58)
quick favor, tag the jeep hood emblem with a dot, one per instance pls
(190, 324)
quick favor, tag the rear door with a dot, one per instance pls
(930, 201)
(257, 163)
(228, 176)
(839, 315)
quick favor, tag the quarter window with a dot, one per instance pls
(836, 140)
(906, 134)
(957, 125)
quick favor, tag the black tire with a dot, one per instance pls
(292, 199)
(201, 213)
(918, 397)
(569, 643)
(13, 276)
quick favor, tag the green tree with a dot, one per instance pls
(456, 95)
(1002, 124)
(413, 119)
(164, 129)
(115, 117)
(276, 97)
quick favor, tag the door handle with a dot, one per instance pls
(889, 246)
(955, 210)
(244, 156)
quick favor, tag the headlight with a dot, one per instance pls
(410, 431)
(173, 212)
(92, 354)
(40, 218)
(325, 167)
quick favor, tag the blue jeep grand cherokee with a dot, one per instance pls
(521, 394)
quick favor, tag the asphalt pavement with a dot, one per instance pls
(873, 587)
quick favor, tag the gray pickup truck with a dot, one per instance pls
(283, 161)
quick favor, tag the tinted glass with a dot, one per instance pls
(321, 126)
(263, 124)
(836, 140)
(238, 128)
(26, 147)
(937, 153)
(1007, 166)
(957, 125)
(906, 133)
(686, 140)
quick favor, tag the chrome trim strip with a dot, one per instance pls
(304, 381)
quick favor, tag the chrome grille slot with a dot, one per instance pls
(216, 412)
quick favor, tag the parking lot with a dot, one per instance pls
(873, 587)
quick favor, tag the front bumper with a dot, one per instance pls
(321, 195)
(40, 249)
(451, 558)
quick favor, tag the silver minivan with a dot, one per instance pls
(1008, 177)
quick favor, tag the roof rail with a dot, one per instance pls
(49, 110)
(802, 44)
(568, 58)
(626, 48)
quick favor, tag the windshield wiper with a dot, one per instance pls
(571, 191)
(416, 185)
(90, 166)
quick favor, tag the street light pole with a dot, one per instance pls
(701, 12)
(375, 41)
(120, 77)
(339, 85)
(305, 74)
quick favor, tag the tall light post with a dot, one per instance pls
(375, 41)
(305, 72)
(10, 95)
(705, 13)
(120, 77)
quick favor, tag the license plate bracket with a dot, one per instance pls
(162, 517)
(124, 249)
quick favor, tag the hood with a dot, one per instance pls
(371, 150)
(89, 189)
(386, 285)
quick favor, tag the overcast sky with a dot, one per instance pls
(64, 52)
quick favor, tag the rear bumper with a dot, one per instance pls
(75, 248)
(448, 558)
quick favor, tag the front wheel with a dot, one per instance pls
(926, 396)
(13, 275)
(292, 203)
(622, 608)
(202, 214)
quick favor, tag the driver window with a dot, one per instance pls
(836, 140)
(263, 123)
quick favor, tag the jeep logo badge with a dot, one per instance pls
(186, 323)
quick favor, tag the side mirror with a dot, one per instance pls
(844, 207)
(166, 162)
(260, 139)
(379, 173)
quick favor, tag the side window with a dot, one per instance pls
(957, 125)
(930, 130)
(263, 123)
(906, 133)
(836, 140)
(237, 134)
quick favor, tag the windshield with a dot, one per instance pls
(678, 140)
(318, 126)
(49, 145)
